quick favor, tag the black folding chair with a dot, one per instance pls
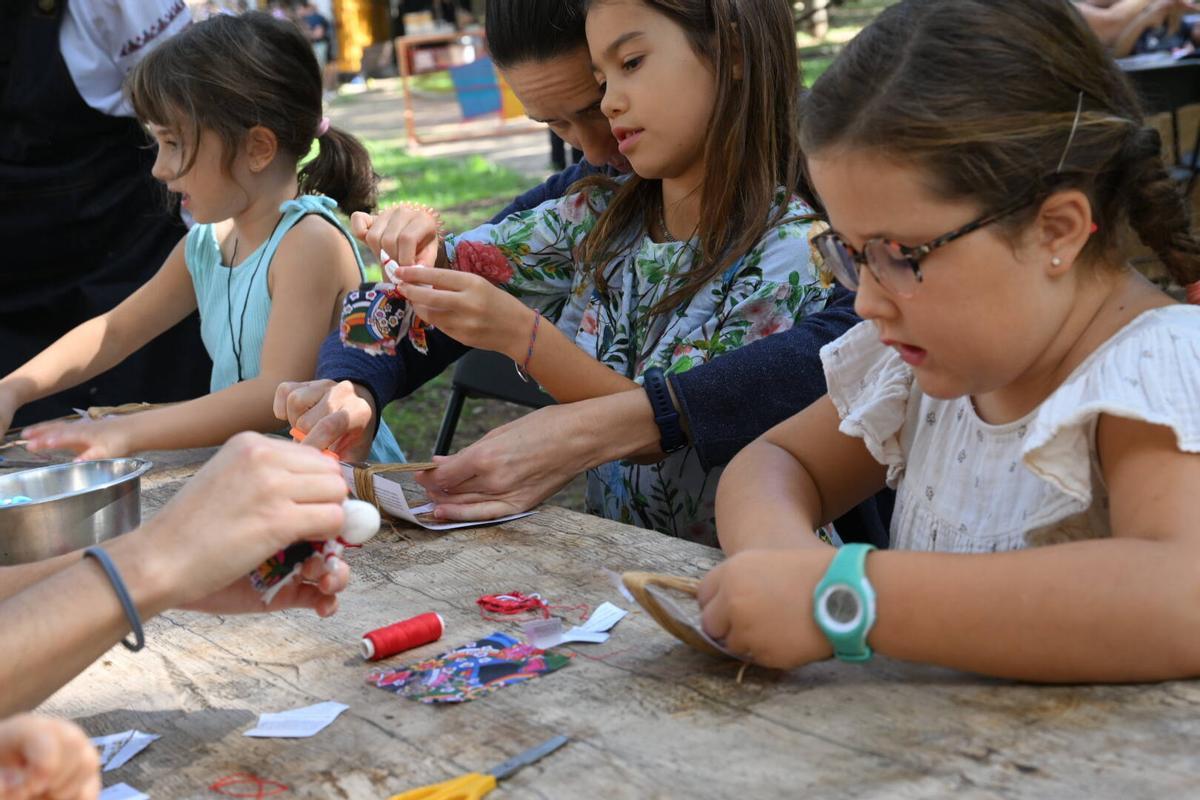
(482, 373)
(1166, 85)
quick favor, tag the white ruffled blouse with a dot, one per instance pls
(963, 485)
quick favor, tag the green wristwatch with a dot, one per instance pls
(844, 603)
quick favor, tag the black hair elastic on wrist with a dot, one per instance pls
(114, 577)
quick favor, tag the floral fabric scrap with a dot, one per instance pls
(471, 671)
(375, 317)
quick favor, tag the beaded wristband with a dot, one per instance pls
(114, 577)
(523, 369)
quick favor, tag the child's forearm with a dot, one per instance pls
(206, 421)
(1100, 610)
(564, 371)
(84, 352)
(745, 521)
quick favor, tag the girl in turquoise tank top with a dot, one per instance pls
(233, 104)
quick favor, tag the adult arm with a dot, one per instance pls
(724, 404)
(255, 497)
(729, 402)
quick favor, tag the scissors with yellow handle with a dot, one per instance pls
(474, 785)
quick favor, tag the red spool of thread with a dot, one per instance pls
(401, 636)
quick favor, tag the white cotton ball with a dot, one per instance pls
(362, 521)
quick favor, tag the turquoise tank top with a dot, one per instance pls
(235, 303)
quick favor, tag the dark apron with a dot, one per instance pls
(82, 222)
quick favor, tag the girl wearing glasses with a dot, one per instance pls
(1032, 398)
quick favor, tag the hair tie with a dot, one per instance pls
(323, 128)
(1193, 293)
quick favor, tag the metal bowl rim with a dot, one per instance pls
(137, 473)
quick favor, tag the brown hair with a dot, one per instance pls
(983, 95)
(749, 151)
(229, 74)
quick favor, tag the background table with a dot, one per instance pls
(648, 717)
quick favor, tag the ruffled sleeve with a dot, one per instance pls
(1149, 372)
(871, 388)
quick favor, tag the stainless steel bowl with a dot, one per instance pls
(71, 506)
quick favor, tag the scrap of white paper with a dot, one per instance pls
(390, 496)
(123, 791)
(543, 633)
(299, 723)
(116, 749)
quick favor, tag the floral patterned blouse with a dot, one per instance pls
(775, 285)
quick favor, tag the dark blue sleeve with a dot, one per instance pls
(388, 378)
(554, 187)
(736, 398)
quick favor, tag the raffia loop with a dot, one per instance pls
(639, 584)
(364, 478)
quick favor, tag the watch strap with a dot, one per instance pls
(847, 571)
(666, 417)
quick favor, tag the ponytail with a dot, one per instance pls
(342, 170)
(1156, 209)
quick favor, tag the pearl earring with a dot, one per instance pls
(1056, 261)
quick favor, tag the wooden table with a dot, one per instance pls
(648, 717)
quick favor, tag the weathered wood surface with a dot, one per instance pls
(648, 717)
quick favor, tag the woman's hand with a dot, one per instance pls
(408, 234)
(46, 759)
(254, 497)
(88, 438)
(511, 469)
(759, 602)
(469, 309)
(333, 416)
(317, 588)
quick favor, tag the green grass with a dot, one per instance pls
(466, 191)
(434, 82)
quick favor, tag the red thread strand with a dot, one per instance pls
(511, 604)
(404, 635)
(259, 787)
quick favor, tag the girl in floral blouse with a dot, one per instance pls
(1033, 399)
(698, 253)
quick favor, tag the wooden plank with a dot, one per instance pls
(648, 717)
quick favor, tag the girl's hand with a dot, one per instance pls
(759, 602)
(406, 233)
(333, 416)
(468, 308)
(89, 438)
(46, 759)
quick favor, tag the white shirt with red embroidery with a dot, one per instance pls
(102, 40)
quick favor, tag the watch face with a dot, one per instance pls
(842, 606)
